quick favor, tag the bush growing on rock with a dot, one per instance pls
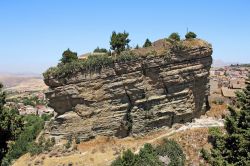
(92, 63)
(100, 50)
(69, 56)
(190, 35)
(174, 36)
(69, 142)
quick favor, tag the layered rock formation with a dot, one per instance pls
(133, 97)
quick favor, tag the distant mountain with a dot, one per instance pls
(221, 63)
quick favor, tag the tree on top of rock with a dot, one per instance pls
(190, 35)
(69, 56)
(174, 36)
(119, 41)
(100, 50)
(147, 43)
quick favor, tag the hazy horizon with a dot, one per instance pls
(35, 33)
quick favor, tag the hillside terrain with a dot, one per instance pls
(22, 82)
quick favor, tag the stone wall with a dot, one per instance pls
(133, 97)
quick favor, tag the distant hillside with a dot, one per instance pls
(220, 63)
(22, 82)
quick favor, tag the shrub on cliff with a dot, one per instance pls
(190, 35)
(100, 50)
(92, 63)
(69, 56)
(233, 146)
(119, 41)
(147, 43)
(174, 36)
(149, 155)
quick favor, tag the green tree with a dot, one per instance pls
(119, 41)
(233, 147)
(100, 50)
(10, 124)
(149, 156)
(68, 56)
(147, 43)
(25, 140)
(190, 35)
(174, 36)
(2, 96)
(137, 46)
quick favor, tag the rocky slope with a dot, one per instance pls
(136, 96)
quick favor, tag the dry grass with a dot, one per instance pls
(192, 141)
(217, 111)
(195, 43)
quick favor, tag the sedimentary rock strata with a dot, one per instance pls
(133, 97)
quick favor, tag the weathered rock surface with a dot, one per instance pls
(133, 97)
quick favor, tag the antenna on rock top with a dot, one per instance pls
(187, 29)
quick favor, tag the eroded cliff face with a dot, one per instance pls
(133, 97)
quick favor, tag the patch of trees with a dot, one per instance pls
(17, 133)
(29, 100)
(233, 146)
(11, 124)
(169, 153)
(119, 43)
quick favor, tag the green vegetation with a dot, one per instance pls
(147, 43)
(218, 101)
(92, 63)
(29, 100)
(69, 56)
(190, 35)
(233, 146)
(77, 140)
(25, 140)
(11, 124)
(18, 133)
(42, 145)
(174, 37)
(119, 41)
(137, 46)
(69, 142)
(100, 50)
(149, 156)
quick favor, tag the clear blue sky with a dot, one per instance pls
(34, 33)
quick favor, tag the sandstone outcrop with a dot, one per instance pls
(133, 97)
